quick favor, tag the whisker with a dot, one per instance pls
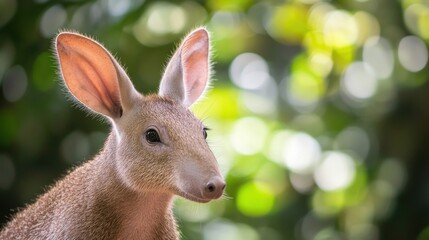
(225, 196)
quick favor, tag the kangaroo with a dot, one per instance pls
(155, 150)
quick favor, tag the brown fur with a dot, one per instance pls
(127, 190)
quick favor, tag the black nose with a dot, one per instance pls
(214, 188)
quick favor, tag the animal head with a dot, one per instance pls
(159, 144)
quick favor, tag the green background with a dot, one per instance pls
(319, 110)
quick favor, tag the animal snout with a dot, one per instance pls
(214, 188)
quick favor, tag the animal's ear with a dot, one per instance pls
(187, 74)
(93, 76)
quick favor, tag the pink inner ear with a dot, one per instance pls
(89, 73)
(195, 60)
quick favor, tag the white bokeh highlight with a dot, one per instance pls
(412, 53)
(378, 53)
(301, 153)
(359, 82)
(335, 172)
(249, 71)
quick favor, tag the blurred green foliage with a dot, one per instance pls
(319, 109)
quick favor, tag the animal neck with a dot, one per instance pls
(147, 216)
(143, 214)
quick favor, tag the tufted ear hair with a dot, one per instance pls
(93, 76)
(187, 74)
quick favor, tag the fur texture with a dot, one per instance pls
(127, 190)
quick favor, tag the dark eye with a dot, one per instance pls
(152, 136)
(205, 132)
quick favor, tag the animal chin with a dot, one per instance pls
(191, 197)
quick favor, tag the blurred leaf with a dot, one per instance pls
(289, 23)
(255, 199)
(229, 5)
(44, 72)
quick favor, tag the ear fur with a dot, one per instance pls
(187, 74)
(93, 76)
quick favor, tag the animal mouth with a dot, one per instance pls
(192, 197)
